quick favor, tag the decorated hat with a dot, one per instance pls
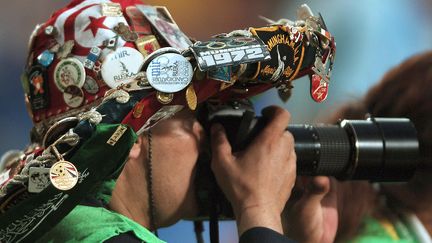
(101, 72)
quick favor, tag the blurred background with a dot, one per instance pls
(372, 36)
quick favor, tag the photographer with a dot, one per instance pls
(114, 201)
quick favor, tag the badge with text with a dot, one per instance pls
(162, 21)
(169, 72)
(121, 66)
(69, 71)
(286, 54)
(229, 51)
(137, 21)
(38, 88)
(63, 175)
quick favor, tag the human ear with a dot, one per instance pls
(139, 147)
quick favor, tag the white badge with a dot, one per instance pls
(69, 71)
(63, 175)
(169, 72)
(121, 66)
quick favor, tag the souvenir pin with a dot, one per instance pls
(137, 21)
(121, 66)
(147, 44)
(63, 175)
(169, 72)
(50, 30)
(164, 24)
(65, 49)
(223, 74)
(90, 85)
(125, 33)
(319, 88)
(229, 51)
(165, 112)
(73, 96)
(69, 71)
(285, 53)
(137, 110)
(38, 88)
(92, 57)
(39, 179)
(164, 98)
(110, 9)
(45, 58)
(121, 129)
(111, 43)
(191, 97)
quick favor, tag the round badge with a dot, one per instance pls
(121, 66)
(169, 72)
(90, 85)
(69, 71)
(73, 96)
(164, 98)
(63, 175)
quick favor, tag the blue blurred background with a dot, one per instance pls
(372, 36)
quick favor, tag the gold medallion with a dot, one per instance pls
(191, 97)
(164, 98)
(63, 175)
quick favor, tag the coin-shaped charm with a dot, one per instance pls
(63, 175)
(164, 98)
(191, 97)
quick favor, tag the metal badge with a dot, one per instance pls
(223, 74)
(147, 44)
(92, 57)
(38, 88)
(162, 21)
(73, 96)
(164, 98)
(63, 175)
(118, 133)
(45, 58)
(65, 49)
(137, 110)
(121, 66)
(165, 112)
(319, 88)
(229, 51)
(68, 72)
(287, 55)
(39, 179)
(50, 30)
(111, 43)
(110, 9)
(191, 97)
(125, 33)
(90, 85)
(169, 72)
(137, 21)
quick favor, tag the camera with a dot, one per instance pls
(374, 149)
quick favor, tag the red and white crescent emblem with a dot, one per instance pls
(85, 24)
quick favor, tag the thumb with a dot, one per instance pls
(221, 148)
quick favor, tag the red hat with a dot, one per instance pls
(62, 76)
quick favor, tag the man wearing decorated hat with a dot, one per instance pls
(112, 88)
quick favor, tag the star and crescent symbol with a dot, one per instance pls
(96, 24)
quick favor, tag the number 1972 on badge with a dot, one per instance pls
(231, 56)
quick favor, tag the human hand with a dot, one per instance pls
(258, 180)
(314, 217)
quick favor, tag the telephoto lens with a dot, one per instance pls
(375, 149)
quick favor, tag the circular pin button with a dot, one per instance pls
(121, 66)
(63, 175)
(73, 96)
(164, 98)
(90, 85)
(69, 71)
(169, 72)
